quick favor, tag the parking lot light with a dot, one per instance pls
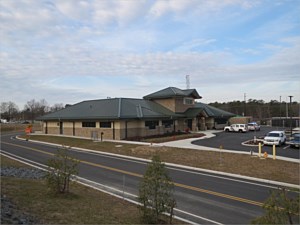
(291, 116)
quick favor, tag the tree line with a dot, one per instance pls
(31, 110)
(260, 110)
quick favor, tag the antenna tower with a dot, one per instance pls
(187, 81)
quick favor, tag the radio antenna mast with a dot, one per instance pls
(187, 81)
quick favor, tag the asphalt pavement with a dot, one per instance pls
(202, 197)
(231, 142)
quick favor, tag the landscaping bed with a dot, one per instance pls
(166, 137)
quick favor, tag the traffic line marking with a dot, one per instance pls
(218, 194)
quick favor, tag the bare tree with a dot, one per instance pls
(56, 107)
(36, 108)
(9, 110)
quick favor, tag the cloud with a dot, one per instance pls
(74, 50)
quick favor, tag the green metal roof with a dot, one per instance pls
(172, 92)
(213, 111)
(115, 108)
(129, 108)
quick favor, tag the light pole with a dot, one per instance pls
(291, 119)
(280, 111)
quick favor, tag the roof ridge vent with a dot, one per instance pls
(139, 111)
(120, 105)
(172, 88)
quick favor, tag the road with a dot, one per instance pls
(232, 141)
(203, 198)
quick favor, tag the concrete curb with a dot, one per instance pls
(178, 166)
(186, 144)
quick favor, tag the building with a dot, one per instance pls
(165, 111)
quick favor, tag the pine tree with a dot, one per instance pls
(156, 192)
(280, 208)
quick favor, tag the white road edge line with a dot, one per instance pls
(107, 192)
(127, 158)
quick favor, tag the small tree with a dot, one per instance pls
(61, 169)
(279, 209)
(156, 192)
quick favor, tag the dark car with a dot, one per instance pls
(295, 140)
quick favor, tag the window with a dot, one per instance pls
(188, 101)
(151, 124)
(105, 124)
(167, 123)
(88, 124)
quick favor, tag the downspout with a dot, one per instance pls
(126, 129)
(119, 116)
(174, 126)
(114, 130)
(73, 128)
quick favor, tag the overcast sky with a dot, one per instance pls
(67, 51)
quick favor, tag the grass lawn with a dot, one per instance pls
(277, 170)
(83, 205)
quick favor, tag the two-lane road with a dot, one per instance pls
(201, 197)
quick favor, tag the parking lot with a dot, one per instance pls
(233, 141)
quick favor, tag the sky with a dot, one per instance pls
(67, 51)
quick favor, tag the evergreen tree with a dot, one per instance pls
(156, 192)
(280, 209)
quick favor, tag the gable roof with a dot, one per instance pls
(172, 92)
(213, 111)
(115, 108)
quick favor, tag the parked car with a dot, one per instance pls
(295, 140)
(296, 130)
(275, 138)
(236, 128)
(253, 126)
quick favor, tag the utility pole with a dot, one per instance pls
(291, 118)
(245, 104)
(280, 110)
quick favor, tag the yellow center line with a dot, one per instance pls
(140, 176)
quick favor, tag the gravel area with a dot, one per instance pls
(27, 173)
(10, 214)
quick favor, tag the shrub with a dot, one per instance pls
(62, 168)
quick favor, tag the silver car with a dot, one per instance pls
(253, 126)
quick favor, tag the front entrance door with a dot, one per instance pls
(190, 124)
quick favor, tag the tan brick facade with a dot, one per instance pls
(175, 104)
(119, 130)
